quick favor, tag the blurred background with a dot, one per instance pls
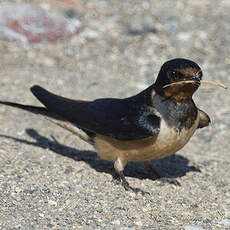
(109, 48)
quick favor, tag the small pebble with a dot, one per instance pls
(139, 223)
(90, 34)
(192, 227)
(225, 222)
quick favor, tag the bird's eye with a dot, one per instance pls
(175, 76)
(173, 73)
(200, 75)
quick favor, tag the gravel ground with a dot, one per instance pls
(51, 180)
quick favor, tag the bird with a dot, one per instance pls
(155, 123)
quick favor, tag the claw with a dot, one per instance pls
(127, 187)
(169, 180)
(157, 176)
(119, 168)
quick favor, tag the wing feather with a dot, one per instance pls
(123, 119)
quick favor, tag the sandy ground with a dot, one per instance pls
(51, 180)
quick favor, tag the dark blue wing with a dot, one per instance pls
(123, 119)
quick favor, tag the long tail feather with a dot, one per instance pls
(33, 109)
(43, 111)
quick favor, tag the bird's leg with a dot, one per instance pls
(157, 176)
(119, 166)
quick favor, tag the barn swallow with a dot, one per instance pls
(153, 124)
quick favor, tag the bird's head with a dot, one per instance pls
(178, 79)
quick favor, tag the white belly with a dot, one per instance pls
(170, 141)
(167, 142)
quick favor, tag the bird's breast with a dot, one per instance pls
(168, 141)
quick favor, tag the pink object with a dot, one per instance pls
(30, 23)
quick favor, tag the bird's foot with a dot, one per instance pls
(119, 168)
(121, 181)
(156, 176)
(169, 181)
(127, 187)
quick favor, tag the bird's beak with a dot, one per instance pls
(193, 80)
(197, 81)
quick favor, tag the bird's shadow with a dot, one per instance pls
(171, 167)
